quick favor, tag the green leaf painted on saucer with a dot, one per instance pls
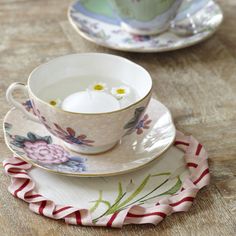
(97, 202)
(171, 191)
(135, 193)
(7, 126)
(31, 136)
(174, 189)
(19, 138)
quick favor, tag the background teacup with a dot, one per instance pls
(85, 132)
(145, 17)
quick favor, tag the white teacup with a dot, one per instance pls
(86, 132)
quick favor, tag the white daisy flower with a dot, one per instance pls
(120, 92)
(100, 87)
(55, 102)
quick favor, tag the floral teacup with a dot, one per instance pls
(88, 133)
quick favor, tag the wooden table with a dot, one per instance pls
(198, 84)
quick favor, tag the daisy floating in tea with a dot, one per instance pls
(99, 87)
(120, 92)
(55, 102)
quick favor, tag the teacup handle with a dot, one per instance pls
(11, 100)
(193, 27)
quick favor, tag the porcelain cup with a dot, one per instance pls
(145, 17)
(92, 132)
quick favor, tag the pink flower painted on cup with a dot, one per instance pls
(46, 153)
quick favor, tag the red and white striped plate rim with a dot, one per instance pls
(22, 186)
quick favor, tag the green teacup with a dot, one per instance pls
(145, 16)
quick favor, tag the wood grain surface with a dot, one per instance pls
(198, 84)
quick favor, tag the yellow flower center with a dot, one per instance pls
(120, 91)
(53, 103)
(98, 87)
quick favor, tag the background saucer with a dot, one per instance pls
(95, 21)
(153, 135)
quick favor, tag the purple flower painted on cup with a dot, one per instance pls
(29, 106)
(138, 123)
(70, 136)
(130, 126)
(143, 124)
(43, 152)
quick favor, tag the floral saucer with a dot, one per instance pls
(32, 142)
(95, 21)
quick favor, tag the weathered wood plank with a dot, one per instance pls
(198, 84)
